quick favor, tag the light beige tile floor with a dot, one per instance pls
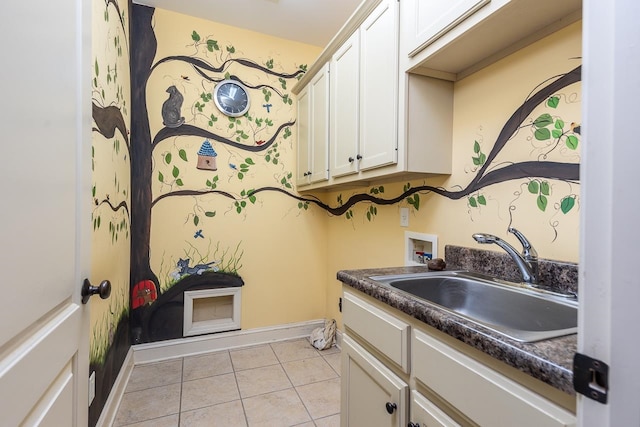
(282, 384)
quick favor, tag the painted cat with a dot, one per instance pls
(184, 268)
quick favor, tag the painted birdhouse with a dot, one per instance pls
(143, 293)
(207, 157)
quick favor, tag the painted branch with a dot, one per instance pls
(547, 170)
(189, 130)
(121, 205)
(516, 119)
(108, 119)
(192, 193)
(206, 66)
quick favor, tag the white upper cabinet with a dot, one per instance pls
(453, 38)
(379, 86)
(313, 130)
(364, 101)
(428, 20)
(345, 95)
(371, 133)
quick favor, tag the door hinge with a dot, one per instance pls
(590, 377)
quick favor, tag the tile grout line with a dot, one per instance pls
(295, 388)
(181, 388)
(235, 376)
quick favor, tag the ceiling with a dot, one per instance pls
(313, 22)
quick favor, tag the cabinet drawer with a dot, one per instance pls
(485, 396)
(425, 413)
(383, 331)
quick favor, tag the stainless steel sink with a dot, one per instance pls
(510, 309)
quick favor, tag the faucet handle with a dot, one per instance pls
(528, 250)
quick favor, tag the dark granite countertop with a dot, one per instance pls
(550, 361)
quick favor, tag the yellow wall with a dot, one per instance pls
(111, 175)
(282, 249)
(482, 104)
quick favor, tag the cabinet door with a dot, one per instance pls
(426, 414)
(320, 126)
(379, 86)
(426, 21)
(304, 137)
(368, 388)
(345, 96)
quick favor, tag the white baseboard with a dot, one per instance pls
(162, 350)
(108, 414)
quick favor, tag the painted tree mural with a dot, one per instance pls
(243, 137)
(110, 339)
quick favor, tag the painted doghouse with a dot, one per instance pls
(207, 157)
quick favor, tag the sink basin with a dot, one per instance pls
(519, 313)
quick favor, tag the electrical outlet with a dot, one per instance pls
(92, 386)
(404, 217)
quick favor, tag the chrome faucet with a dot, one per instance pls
(527, 262)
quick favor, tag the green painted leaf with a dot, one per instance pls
(416, 201)
(196, 220)
(559, 124)
(209, 183)
(179, 182)
(249, 161)
(160, 177)
(369, 216)
(572, 142)
(542, 202)
(210, 214)
(567, 204)
(299, 205)
(553, 102)
(240, 175)
(556, 133)
(183, 155)
(476, 147)
(253, 199)
(543, 120)
(482, 200)
(542, 134)
(212, 45)
(195, 36)
(533, 187)
(483, 158)
(476, 161)
(175, 172)
(238, 209)
(544, 188)
(243, 204)
(167, 158)
(97, 69)
(472, 202)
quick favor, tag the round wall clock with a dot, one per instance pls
(231, 97)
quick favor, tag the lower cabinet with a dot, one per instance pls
(439, 383)
(372, 395)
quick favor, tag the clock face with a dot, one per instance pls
(231, 98)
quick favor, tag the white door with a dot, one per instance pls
(45, 216)
(610, 234)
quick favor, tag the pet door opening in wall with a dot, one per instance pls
(211, 310)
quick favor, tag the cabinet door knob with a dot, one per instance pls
(391, 407)
(359, 157)
(351, 159)
(413, 425)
